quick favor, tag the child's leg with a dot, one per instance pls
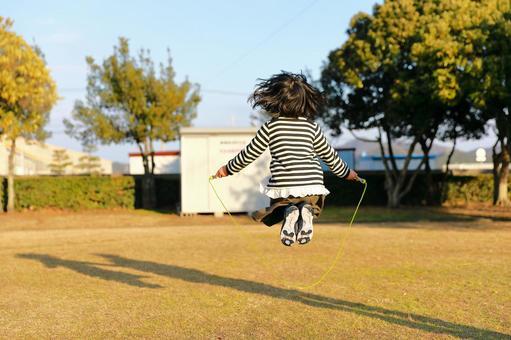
(273, 214)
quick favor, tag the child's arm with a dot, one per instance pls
(246, 156)
(327, 153)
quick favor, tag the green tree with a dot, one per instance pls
(89, 164)
(27, 94)
(493, 93)
(363, 80)
(446, 71)
(394, 75)
(468, 41)
(60, 162)
(129, 101)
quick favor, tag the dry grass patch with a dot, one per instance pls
(125, 274)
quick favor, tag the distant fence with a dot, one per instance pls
(109, 192)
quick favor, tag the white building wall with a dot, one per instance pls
(203, 151)
(34, 158)
(3, 160)
(164, 164)
(195, 171)
(470, 166)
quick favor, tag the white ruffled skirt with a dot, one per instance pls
(302, 191)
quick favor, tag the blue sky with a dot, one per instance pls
(224, 46)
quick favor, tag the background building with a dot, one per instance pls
(367, 157)
(203, 151)
(166, 162)
(34, 158)
(359, 155)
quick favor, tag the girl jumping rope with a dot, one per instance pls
(295, 141)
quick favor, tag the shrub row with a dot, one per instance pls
(74, 192)
(459, 190)
(347, 192)
(86, 192)
(464, 189)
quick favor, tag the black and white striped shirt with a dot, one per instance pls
(295, 145)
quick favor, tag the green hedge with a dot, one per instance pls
(86, 192)
(347, 193)
(74, 192)
(462, 190)
(459, 190)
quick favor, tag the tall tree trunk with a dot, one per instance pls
(148, 183)
(148, 191)
(11, 195)
(432, 187)
(396, 184)
(393, 197)
(447, 172)
(390, 172)
(496, 156)
(402, 187)
(2, 194)
(502, 197)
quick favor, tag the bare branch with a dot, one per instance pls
(412, 179)
(362, 138)
(404, 170)
(153, 164)
(451, 153)
(388, 172)
(391, 151)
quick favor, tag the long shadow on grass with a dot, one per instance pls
(90, 269)
(400, 318)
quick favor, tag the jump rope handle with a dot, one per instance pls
(361, 180)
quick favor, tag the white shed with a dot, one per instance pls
(203, 151)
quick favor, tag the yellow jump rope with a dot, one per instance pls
(340, 250)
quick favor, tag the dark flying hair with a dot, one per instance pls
(287, 95)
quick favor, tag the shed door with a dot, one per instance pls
(194, 174)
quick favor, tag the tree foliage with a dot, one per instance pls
(130, 101)
(88, 163)
(60, 162)
(493, 93)
(27, 93)
(407, 71)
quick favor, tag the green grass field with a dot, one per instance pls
(153, 275)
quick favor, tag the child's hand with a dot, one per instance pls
(352, 176)
(222, 172)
